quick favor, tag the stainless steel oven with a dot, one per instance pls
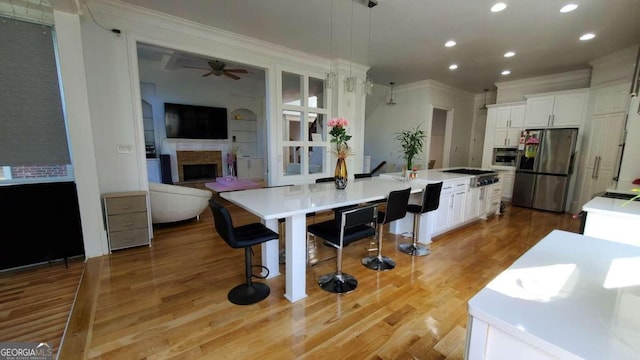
(504, 156)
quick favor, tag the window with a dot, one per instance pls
(304, 115)
(33, 137)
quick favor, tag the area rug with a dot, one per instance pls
(231, 184)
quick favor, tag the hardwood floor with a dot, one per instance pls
(35, 302)
(169, 301)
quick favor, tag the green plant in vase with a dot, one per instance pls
(411, 142)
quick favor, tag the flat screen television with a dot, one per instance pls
(195, 122)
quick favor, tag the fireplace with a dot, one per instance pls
(199, 172)
(199, 165)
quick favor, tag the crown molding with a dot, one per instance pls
(122, 15)
(566, 77)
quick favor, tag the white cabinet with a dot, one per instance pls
(243, 127)
(559, 110)
(510, 116)
(506, 178)
(509, 122)
(493, 198)
(611, 99)
(507, 137)
(249, 168)
(451, 211)
(602, 154)
(476, 202)
(153, 170)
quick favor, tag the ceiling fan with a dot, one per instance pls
(219, 68)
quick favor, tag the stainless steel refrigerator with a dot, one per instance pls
(543, 168)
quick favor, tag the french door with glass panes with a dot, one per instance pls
(304, 112)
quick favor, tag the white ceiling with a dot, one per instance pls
(407, 36)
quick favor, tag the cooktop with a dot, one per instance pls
(469, 171)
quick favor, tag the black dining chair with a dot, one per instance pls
(396, 208)
(348, 226)
(430, 202)
(243, 236)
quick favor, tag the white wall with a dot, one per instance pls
(113, 92)
(438, 131)
(415, 103)
(385, 121)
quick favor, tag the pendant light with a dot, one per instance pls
(367, 85)
(331, 80)
(484, 106)
(350, 81)
(391, 102)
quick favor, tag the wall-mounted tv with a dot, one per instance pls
(195, 122)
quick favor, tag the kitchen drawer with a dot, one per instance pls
(128, 221)
(126, 205)
(457, 185)
(125, 239)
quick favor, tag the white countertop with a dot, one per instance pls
(610, 206)
(429, 176)
(571, 296)
(282, 201)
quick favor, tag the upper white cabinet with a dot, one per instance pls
(506, 123)
(510, 116)
(611, 99)
(556, 110)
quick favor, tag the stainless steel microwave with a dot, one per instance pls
(504, 156)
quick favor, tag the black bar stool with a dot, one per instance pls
(243, 237)
(430, 202)
(348, 226)
(396, 209)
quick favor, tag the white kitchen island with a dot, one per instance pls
(611, 219)
(460, 204)
(569, 297)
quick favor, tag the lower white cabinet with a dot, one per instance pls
(476, 204)
(451, 211)
(494, 197)
(249, 168)
(507, 178)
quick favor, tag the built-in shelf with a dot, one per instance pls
(243, 127)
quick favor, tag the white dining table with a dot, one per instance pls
(293, 203)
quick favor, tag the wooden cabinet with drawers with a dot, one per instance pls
(126, 219)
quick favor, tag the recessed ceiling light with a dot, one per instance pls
(505, 72)
(568, 8)
(509, 54)
(453, 67)
(450, 43)
(587, 36)
(498, 7)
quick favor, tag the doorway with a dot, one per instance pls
(205, 82)
(438, 138)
